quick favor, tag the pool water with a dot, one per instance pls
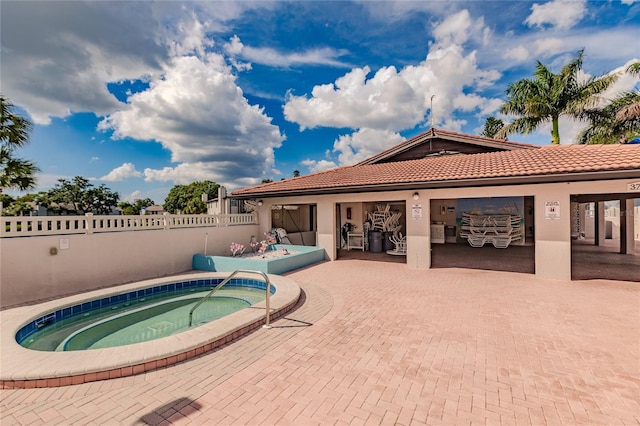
(147, 319)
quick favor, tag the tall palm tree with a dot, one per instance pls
(616, 122)
(14, 133)
(547, 96)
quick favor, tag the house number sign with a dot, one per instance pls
(633, 187)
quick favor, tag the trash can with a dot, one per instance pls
(387, 244)
(375, 241)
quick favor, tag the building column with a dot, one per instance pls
(599, 225)
(627, 240)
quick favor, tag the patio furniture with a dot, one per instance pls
(356, 240)
(400, 243)
(498, 230)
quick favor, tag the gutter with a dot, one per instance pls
(459, 183)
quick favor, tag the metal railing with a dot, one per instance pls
(226, 280)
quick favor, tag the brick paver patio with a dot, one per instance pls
(379, 343)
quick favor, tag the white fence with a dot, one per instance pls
(50, 256)
(30, 226)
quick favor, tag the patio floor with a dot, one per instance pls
(380, 343)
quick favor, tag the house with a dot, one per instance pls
(455, 190)
(152, 210)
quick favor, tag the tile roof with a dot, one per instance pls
(549, 163)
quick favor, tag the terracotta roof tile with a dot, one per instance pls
(546, 161)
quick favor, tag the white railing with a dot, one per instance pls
(30, 226)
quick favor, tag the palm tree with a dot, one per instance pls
(605, 127)
(14, 133)
(548, 96)
(631, 111)
(616, 122)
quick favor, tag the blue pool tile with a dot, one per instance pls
(132, 295)
(76, 309)
(95, 304)
(171, 287)
(148, 291)
(66, 312)
(140, 293)
(59, 313)
(178, 286)
(86, 307)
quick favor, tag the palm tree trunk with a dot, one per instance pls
(555, 132)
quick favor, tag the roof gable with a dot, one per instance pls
(436, 142)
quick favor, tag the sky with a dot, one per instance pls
(142, 95)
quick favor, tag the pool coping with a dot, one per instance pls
(25, 368)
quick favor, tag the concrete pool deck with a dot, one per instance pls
(380, 343)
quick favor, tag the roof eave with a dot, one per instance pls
(458, 183)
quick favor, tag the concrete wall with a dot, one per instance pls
(29, 271)
(552, 232)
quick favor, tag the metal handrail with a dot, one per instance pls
(226, 280)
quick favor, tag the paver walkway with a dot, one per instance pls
(379, 343)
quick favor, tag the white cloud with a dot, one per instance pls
(458, 29)
(518, 53)
(629, 1)
(380, 105)
(135, 195)
(59, 60)
(318, 166)
(363, 144)
(186, 173)
(93, 159)
(126, 171)
(197, 112)
(549, 46)
(395, 100)
(562, 14)
(272, 57)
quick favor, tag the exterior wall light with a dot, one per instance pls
(259, 203)
(416, 196)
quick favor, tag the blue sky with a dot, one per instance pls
(141, 96)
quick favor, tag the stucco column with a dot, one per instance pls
(627, 240)
(600, 229)
(418, 232)
(326, 226)
(553, 234)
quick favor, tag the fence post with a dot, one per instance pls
(88, 220)
(166, 220)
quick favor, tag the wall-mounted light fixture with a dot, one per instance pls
(416, 196)
(259, 203)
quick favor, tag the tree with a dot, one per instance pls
(616, 122)
(15, 173)
(188, 198)
(491, 128)
(267, 180)
(605, 127)
(631, 111)
(19, 207)
(296, 173)
(80, 196)
(548, 96)
(135, 208)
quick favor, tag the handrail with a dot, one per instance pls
(226, 280)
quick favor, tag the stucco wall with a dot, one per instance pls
(30, 272)
(552, 232)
